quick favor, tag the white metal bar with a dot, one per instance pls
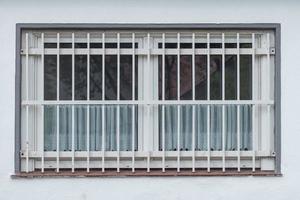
(193, 106)
(118, 98)
(57, 97)
(147, 107)
(150, 102)
(178, 99)
(73, 108)
(163, 107)
(88, 106)
(253, 107)
(103, 107)
(238, 106)
(27, 97)
(223, 98)
(208, 99)
(42, 107)
(133, 106)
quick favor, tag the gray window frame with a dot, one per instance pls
(276, 27)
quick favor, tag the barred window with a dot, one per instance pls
(147, 101)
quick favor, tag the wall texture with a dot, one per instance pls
(154, 11)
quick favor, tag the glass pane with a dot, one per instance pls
(246, 127)
(201, 77)
(96, 127)
(80, 128)
(170, 77)
(216, 77)
(65, 77)
(231, 127)
(111, 77)
(216, 128)
(201, 127)
(246, 77)
(185, 77)
(50, 128)
(95, 77)
(126, 77)
(80, 77)
(65, 128)
(50, 77)
(230, 77)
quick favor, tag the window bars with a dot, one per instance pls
(154, 101)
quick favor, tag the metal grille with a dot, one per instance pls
(148, 99)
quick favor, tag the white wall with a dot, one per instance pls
(286, 12)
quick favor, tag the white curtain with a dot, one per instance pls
(125, 127)
(95, 133)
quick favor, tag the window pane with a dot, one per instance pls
(170, 77)
(95, 77)
(50, 128)
(65, 128)
(50, 77)
(216, 127)
(65, 77)
(80, 77)
(111, 77)
(201, 77)
(80, 128)
(216, 77)
(185, 77)
(246, 77)
(230, 77)
(126, 77)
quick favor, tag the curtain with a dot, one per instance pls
(186, 127)
(95, 127)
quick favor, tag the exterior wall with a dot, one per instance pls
(155, 11)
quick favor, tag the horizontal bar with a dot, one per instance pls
(144, 52)
(144, 154)
(133, 102)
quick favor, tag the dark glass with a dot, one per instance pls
(80, 45)
(65, 45)
(201, 45)
(230, 45)
(215, 77)
(50, 77)
(50, 45)
(215, 45)
(170, 77)
(111, 45)
(80, 77)
(245, 77)
(230, 77)
(111, 77)
(96, 45)
(201, 77)
(186, 77)
(126, 77)
(65, 77)
(185, 45)
(95, 77)
(245, 45)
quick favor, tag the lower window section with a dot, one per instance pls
(96, 128)
(186, 127)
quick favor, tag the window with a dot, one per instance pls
(186, 100)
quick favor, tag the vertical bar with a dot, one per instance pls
(208, 98)
(133, 99)
(73, 108)
(223, 99)
(269, 83)
(238, 106)
(118, 98)
(193, 97)
(178, 99)
(103, 107)
(42, 106)
(27, 97)
(88, 106)
(253, 106)
(163, 99)
(57, 107)
(148, 109)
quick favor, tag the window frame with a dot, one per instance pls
(276, 27)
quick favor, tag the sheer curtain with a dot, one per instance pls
(171, 127)
(95, 133)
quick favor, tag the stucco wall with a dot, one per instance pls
(155, 11)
